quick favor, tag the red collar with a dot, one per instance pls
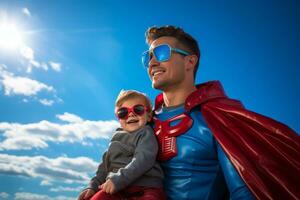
(205, 92)
(166, 133)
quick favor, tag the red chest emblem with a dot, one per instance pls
(167, 134)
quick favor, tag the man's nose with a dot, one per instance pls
(153, 62)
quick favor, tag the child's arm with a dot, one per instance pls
(86, 194)
(144, 158)
(101, 174)
(97, 180)
(108, 187)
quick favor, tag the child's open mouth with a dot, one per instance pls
(131, 121)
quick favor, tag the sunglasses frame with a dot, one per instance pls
(146, 54)
(129, 110)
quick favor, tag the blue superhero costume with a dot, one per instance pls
(197, 170)
(212, 142)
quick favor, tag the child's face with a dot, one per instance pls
(133, 121)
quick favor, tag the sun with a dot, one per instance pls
(10, 36)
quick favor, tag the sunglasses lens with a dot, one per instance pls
(162, 53)
(145, 59)
(122, 113)
(139, 109)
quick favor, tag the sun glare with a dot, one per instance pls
(10, 36)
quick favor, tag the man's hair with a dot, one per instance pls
(125, 95)
(183, 38)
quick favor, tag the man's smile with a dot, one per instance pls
(157, 71)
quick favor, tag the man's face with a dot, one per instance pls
(167, 74)
(134, 122)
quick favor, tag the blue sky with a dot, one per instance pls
(62, 64)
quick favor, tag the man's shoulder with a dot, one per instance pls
(211, 92)
(226, 102)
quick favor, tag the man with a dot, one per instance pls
(208, 142)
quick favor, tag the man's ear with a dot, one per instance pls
(190, 62)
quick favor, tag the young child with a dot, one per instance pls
(129, 169)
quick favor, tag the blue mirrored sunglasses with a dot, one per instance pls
(161, 53)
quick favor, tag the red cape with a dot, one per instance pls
(266, 153)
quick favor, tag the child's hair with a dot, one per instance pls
(125, 95)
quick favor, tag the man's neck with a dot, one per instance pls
(178, 95)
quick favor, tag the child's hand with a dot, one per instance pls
(108, 187)
(86, 194)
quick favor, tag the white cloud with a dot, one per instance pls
(49, 170)
(55, 66)
(44, 66)
(66, 189)
(4, 195)
(46, 102)
(27, 53)
(33, 196)
(24, 142)
(20, 136)
(68, 117)
(26, 12)
(17, 85)
(3, 70)
(46, 183)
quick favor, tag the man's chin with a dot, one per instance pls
(157, 86)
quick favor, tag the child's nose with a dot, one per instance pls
(131, 113)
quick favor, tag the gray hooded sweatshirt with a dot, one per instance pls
(130, 160)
